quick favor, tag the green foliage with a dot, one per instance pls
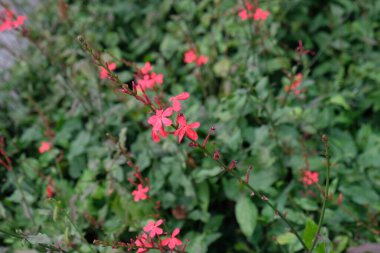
(54, 85)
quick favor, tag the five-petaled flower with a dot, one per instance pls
(45, 146)
(243, 14)
(201, 60)
(161, 118)
(172, 241)
(147, 67)
(190, 56)
(153, 228)
(140, 193)
(143, 244)
(176, 105)
(260, 14)
(310, 178)
(10, 21)
(103, 73)
(186, 129)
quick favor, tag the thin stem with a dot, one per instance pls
(326, 194)
(262, 197)
(79, 232)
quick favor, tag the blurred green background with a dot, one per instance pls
(54, 85)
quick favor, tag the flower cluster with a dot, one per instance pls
(191, 56)
(251, 12)
(150, 238)
(310, 178)
(295, 85)
(9, 21)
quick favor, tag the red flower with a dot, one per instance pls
(161, 118)
(49, 191)
(172, 241)
(9, 20)
(243, 14)
(190, 56)
(156, 134)
(143, 244)
(45, 146)
(103, 74)
(140, 193)
(145, 83)
(157, 78)
(293, 87)
(147, 67)
(153, 228)
(310, 178)
(260, 14)
(185, 128)
(175, 100)
(201, 60)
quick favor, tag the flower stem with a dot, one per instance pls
(262, 197)
(326, 194)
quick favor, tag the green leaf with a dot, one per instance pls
(38, 239)
(340, 100)
(221, 68)
(246, 215)
(286, 238)
(309, 233)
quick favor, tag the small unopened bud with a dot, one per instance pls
(264, 198)
(216, 155)
(232, 165)
(324, 139)
(340, 197)
(212, 129)
(193, 144)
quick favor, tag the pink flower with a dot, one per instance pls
(157, 78)
(172, 241)
(140, 193)
(49, 191)
(9, 20)
(143, 244)
(260, 14)
(310, 178)
(103, 74)
(45, 146)
(201, 60)
(153, 228)
(161, 119)
(147, 67)
(175, 100)
(190, 56)
(156, 134)
(145, 83)
(186, 129)
(293, 87)
(243, 14)
(19, 21)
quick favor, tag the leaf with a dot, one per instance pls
(221, 68)
(286, 238)
(309, 233)
(340, 100)
(246, 215)
(38, 239)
